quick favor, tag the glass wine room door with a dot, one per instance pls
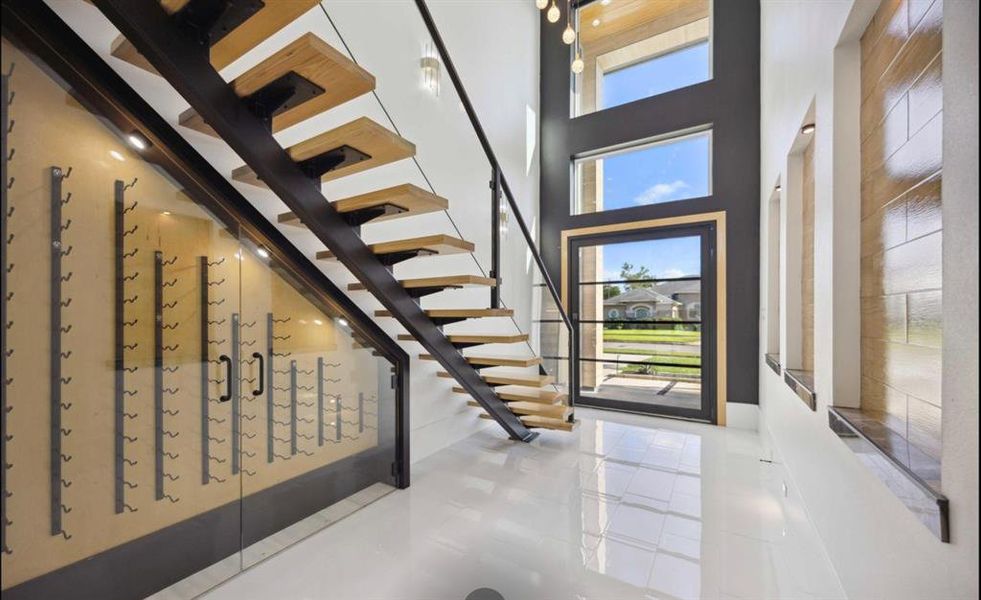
(175, 391)
(121, 294)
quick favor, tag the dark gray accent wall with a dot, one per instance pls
(730, 103)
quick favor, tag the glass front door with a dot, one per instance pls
(644, 307)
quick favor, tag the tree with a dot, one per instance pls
(630, 273)
(611, 291)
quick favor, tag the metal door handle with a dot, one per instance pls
(262, 373)
(228, 378)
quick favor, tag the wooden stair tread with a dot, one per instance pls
(448, 281)
(311, 58)
(542, 422)
(495, 361)
(363, 134)
(521, 379)
(412, 199)
(461, 313)
(438, 244)
(267, 21)
(475, 338)
(552, 411)
(518, 393)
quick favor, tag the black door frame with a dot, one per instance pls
(707, 233)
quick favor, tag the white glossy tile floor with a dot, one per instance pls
(625, 507)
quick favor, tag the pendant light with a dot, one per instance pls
(577, 64)
(569, 35)
(541, 4)
(553, 13)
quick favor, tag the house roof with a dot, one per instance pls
(640, 295)
(669, 288)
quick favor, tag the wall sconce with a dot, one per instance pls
(503, 216)
(431, 69)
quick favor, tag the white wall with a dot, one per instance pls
(809, 54)
(495, 47)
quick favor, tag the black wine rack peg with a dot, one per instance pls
(58, 406)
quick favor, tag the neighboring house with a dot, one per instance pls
(663, 300)
(641, 303)
(688, 293)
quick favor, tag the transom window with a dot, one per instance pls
(677, 167)
(635, 49)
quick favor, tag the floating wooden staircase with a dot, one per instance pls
(398, 250)
(511, 378)
(465, 340)
(480, 362)
(424, 286)
(351, 148)
(302, 80)
(306, 78)
(236, 32)
(396, 202)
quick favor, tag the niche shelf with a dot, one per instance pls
(802, 382)
(773, 361)
(911, 475)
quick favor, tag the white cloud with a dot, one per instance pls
(672, 274)
(661, 192)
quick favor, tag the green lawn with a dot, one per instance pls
(651, 336)
(660, 356)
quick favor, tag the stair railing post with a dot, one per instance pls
(495, 271)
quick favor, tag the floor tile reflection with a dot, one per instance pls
(625, 507)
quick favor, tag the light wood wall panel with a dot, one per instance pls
(902, 238)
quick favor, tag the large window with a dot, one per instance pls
(677, 168)
(635, 49)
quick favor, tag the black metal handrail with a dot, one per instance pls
(498, 172)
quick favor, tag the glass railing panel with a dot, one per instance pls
(427, 108)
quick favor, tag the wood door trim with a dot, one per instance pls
(719, 219)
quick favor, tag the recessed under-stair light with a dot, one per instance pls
(137, 141)
(808, 129)
(262, 252)
(342, 322)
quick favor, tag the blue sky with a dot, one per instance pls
(665, 258)
(673, 170)
(656, 76)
